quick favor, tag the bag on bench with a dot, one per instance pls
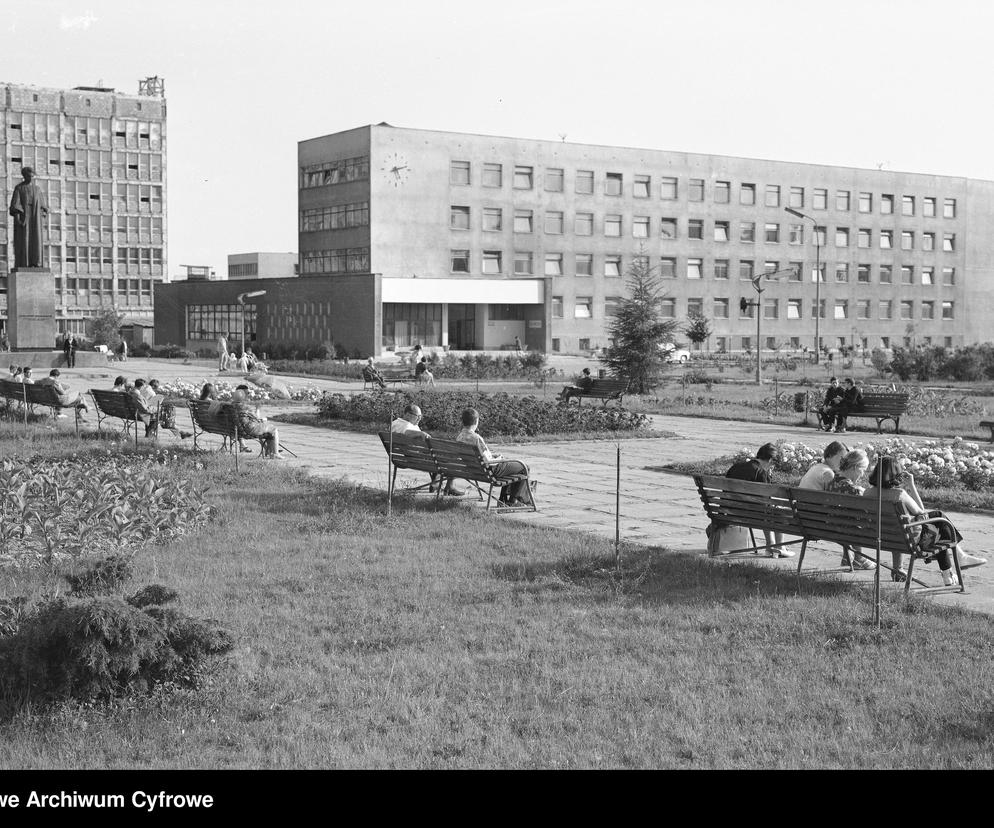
(724, 539)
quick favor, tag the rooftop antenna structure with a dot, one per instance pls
(153, 87)
(562, 137)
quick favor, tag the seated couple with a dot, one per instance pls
(839, 403)
(249, 422)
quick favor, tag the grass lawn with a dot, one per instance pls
(442, 637)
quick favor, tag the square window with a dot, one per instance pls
(667, 267)
(642, 186)
(720, 309)
(819, 199)
(746, 269)
(747, 340)
(492, 261)
(522, 221)
(928, 207)
(721, 268)
(863, 273)
(695, 268)
(928, 241)
(696, 189)
(584, 343)
(772, 195)
(886, 239)
(747, 194)
(493, 219)
(523, 263)
(459, 218)
(842, 200)
(842, 272)
(864, 238)
(458, 172)
(841, 236)
(747, 231)
(721, 231)
(583, 224)
(493, 175)
(722, 192)
(795, 234)
(907, 205)
(612, 225)
(796, 197)
(948, 211)
(907, 240)
(668, 188)
(640, 227)
(886, 204)
(459, 261)
(613, 184)
(584, 182)
(523, 178)
(695, 229)
(557, 307)
(866, 202)
(948, 242)
(667, 228)
(612, 265)
(554, 180)
(885, 274)
(582, 308)
(772, 233)
(553, 264)
(584, 264)
(554, 222)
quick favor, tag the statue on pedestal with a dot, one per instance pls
(28, 206)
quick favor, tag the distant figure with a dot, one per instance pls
(222, 353)
(251, 424)
(120, 385)
(66, 397)
(415, 358)
(69, 349)
(370, 374)
(422, 374)
(4, 342)
(833, 397)
(26, 377)
(517, 345)
(28, 208)
(167, 409)
(137, 393)
(582, 384)
(122, 351)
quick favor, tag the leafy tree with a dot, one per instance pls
(698, 328)
(638, 329)
(105, 328)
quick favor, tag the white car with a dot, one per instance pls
(673, 354)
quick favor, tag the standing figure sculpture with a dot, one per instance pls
(28, 207)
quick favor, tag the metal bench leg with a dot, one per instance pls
(800, 562)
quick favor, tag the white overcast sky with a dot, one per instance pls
(903, 83)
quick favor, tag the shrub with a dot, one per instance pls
(880, 359)
(99, 576)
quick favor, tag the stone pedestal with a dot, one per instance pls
(31, 309)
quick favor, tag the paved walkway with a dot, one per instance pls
(577, 480)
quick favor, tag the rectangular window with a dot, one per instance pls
(722, 192)
(720, 309)
(583, 224)
(842, 200)
(820, 236)
(695, 268)
(928, 275)
(841, 236)
(612, 265)
(667, 307)
(907, 309)
(695, 229)
(770, 268)
(796, 272)
(948, 242)
(522, 221)
(583, 307)
(554, 180)
(721, 268)
(841, 309)
(642, 187)
(928, 310)
(493, 219)
(907, 240)
(819, 199)
(667, 268)
(746, 341)
(948, 211)
(864, 238)
(885, 309)
(613, 184)
(459, 218)
(460, 261)
(746, 269)
(772, 233)
(795, 234)
(584, 182)
(949, 276)
(747, 231)
(797, 197)
(747, 194)
(928, 241)
(863, 273)
(886, 239)
(928, 207)
(523, 263)
(772, 195)
(459, 172)
(747, 311)
(863, 308)
(721, 231)
(584, 264)
(557, 307)
(491, 261)
(907, 205)
(667, 228)
(554, 222)
(493, 175)
(553, 264)
(886, 204)
(771, 309)
(696, 189)
(947, 310)
(818, 309)
(555, 343)
(866, 202)
(640, 227)
(612, 225)
(611, 305)
(842, 272)
(523, 177)
(668, 188)
(885, 274)
(793, 308)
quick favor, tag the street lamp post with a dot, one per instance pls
(814, 224)
(758, 305)
(241, 301)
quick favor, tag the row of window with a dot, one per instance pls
(97, 228)
(523, 177)
(341, 260)
(103, 287)
(212, 321)
(554, 223)
(92, 197)
(338, 217)
(82, 163)
(335, 172)
(583, 308)
(44, 128)
(612, 266)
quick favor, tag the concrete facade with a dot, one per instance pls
(905, 257)
(100, 156)
(262, 265)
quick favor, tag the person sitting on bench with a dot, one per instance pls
(252, 425)
(66, 398)
(370, 374)
(582, 384)
(518, 493)
(757, 470)
(826, 411)
(407, 425)
(852, 401)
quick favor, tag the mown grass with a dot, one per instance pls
(441, 637)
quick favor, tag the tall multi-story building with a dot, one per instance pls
(475, 239)
(100, 156)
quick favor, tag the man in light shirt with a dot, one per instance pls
(821, 474)
(407, 424)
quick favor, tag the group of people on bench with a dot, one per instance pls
(250, 422)
(66, 396)
(518, 493)
(155, 409)
(844, 471)
(839, 403)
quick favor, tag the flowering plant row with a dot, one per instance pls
(224, 390)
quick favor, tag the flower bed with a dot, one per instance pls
(499, 413)
(224, 390)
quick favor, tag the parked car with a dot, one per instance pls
(671, 353)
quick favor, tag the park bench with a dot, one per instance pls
(988, 424)
(881, 406)
(114, 404)
(389, 376)
(463, 461)
(28, 394)
(223, 424)
(408, 451)
(600, 389)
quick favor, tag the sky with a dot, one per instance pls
(901, 84)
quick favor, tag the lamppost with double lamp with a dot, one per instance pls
(801, 215)
(241, 301)
(744, 305)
